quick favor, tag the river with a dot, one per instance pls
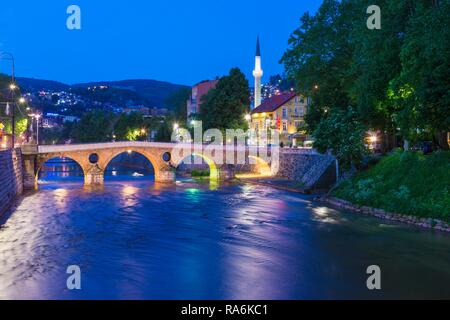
(134, 239)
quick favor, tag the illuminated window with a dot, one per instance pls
(284, 126)
(284, 113)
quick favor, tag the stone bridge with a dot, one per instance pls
(93, 158)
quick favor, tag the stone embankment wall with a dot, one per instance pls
(11, 178)
(311, 169)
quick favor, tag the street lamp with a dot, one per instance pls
(36, 116)
(12, 87)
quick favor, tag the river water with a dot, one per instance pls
(134, 239)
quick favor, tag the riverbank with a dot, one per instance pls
(427, 223)
(403, 183)
(277, 183)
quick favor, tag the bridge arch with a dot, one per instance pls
(43, 160)
(214, 171)
(104, 161)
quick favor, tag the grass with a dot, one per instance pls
(404, 182)
(200, 173)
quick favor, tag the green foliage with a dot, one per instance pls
(164, 133)
(224, 106)
(320, 55)
(130, 127)
(94, 126)
(425, 58)
(406, 183)
(200, 173)
(395, 77)
(343, 133)
(177, 102)
(20, 113)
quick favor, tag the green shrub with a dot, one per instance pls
(200, 173)
(404, 182)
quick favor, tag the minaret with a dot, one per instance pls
(257, 73)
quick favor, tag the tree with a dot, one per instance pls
(319, 55)
(425, 58)
(94, 126)
(164, 133)
(20, 113)
(177, 101)
(343, 134)
(224, 107)
(130, 127)
(396, 79)
(376, 61)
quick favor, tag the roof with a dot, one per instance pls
(205, 81)
(274, 102)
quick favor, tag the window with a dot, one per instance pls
(284, 113)
(284, 126)
(296, 111)
(302, 111)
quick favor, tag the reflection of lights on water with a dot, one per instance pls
(61, 195)
(129, 190)
(321, 211)
(192, 190)
(324, 214)
(252, 175)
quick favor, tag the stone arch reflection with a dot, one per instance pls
(129, 164)
(59, 168)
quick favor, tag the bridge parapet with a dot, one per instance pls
(164, 157)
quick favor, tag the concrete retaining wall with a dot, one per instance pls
(313, 170)
(11, 178)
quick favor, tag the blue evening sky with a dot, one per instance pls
(179, 41)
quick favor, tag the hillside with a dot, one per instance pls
(404, 182)
(155, 92)
(31, 85)
(152, 92)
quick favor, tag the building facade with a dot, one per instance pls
(198, 91)
(283, 113)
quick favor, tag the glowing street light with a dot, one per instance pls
(12, 86)
(176, 126)
(22, 100)
(36, 116)
(248, 117)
